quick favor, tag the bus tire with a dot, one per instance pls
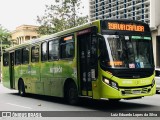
(21, 88)
(71, 93)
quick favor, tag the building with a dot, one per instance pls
(130, 9)
(141, 10)
(23, 33)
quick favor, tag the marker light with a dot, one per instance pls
(153, 82)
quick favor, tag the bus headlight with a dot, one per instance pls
(110, 83)
(106, 81)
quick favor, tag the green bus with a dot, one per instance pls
(103, 59)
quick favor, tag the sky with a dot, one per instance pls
(14, 13)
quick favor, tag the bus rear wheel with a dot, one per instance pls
(71, 93)
(21, 88)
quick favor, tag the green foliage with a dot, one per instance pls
(60, 16)
(4, 36)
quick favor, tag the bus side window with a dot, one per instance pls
(35, 54)
(18, 57)
(5, 59)
(53, 49)
(25, 55)
(44, 55)
(67, 47)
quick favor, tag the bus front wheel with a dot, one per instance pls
(71, 93)
(114, 100)
(21, 88)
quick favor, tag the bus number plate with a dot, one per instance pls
(136, 91)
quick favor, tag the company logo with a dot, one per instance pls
(57, 69)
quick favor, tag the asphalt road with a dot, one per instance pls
(86, 110)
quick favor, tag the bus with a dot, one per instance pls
(104, 59)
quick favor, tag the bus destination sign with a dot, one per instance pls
(125, 27)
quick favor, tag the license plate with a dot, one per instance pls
(136, 91)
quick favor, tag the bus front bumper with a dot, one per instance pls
(126, 93)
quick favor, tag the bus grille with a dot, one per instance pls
(135, 91)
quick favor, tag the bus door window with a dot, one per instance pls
(85, 53)
(94, 57)
(12, 59)
(11, 70)
(5, 59)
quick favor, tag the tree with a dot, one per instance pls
(4, 42)
(62, 15)
(4, 37)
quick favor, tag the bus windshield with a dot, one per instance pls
(127, 51)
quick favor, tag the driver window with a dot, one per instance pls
(102, 49)
(103, 54)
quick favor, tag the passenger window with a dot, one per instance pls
(44, 55)
(25, 55)
(53, 50)
(5, 59)
(67, 47)
(35, 54)
(18, 57)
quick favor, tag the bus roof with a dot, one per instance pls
(71, 30)
(48, 37)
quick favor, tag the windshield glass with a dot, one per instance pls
(127, 52)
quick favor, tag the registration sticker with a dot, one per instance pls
(131, 65)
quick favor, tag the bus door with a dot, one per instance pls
(87, 70)
(11, 70)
